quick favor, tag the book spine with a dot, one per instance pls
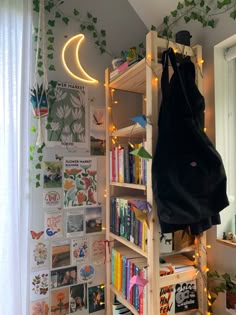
(127, 219)
(122, 218)
(121, 165)
(124, 276)
(113, 266)
(117, 228)
(136, 290)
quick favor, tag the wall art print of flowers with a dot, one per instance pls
(80, 182)
(39, 308)
(68, 116)
(39, 285)
(40, 254)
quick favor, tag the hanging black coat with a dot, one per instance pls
(188, 176)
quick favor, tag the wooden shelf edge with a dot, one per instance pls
(131, 131)
(178, 277)
(127, 185)
(127, 243)
(123, 301)
(227, 243)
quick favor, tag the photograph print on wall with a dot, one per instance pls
(75, 223)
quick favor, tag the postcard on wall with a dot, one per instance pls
(79, 250)
(69, 117)
(60, 251)
(52, 177)
(60, 301)
(97, 249)
(80, 182)
(53, 224)
(93, 217)
(39, 254)
(39, 307)
(39, 285)
(63, 277)
(86, 272)
(75, 223)
(78, 298)
(186, 296)
(97, 118)
(97, 142)
(52, 198)
(96, 298)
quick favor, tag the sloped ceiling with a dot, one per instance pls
(151, 12)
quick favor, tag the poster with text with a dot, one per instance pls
(68, 117)
(186, 296)
(80, 182)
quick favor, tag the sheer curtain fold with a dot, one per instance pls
(15, 56)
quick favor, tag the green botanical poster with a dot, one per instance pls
(68, 117)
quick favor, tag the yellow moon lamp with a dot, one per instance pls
(87, 78)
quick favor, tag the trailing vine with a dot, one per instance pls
(203, 11)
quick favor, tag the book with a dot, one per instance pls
(167, 294)
(186, 296)
(181, 262)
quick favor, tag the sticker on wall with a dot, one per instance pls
(75, 223)
(63, 277)
(80, 182)
(93, 217)
(53, 224)
(86, 272)
(69, 117)
(39, 254)
(79, 250)
(97, 249)
(60, 301)
(60, 253)
(39, 307)
(52, 198)
(78, 298)
(39, 285)
(96, 298)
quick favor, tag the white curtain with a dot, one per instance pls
(15, 50)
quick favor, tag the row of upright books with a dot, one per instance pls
(126, 167)
(174, 299)
(124, 222)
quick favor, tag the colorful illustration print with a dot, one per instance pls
(52, 198)
(39, 254)
(39, 285)
(53, 224)
(39, 308)
(86, 272)
(60, 301)
(79, 249)
(80, 182)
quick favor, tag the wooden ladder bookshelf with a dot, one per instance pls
(142, 78)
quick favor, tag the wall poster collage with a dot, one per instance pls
(67, 255)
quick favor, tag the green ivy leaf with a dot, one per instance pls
(76, 12)
(40, 64)
(40, 158)
(36, 5)
(52, 68)
(103, 33)
(180, 6)
(50, 56)
(31, 157)
(38, 177)
(49, 32)
(202, 3)
(33, 129)
(48, 127)
(40, 150)
(37, 184)
(208, 9)
(82, 26)
(66, 20)
(49, 119)
(38, 166)
(97, 43)
(40, 73)
(166, 20)
(102, 50)
(187, 19)
(103, 43)
(51, 23)
(153, 28)
(174, 13)
(211, 23)
(32, 148)
(36, 29)
(95, 20)
(95, 35)
(53, 83)
(50, 47)
(89, 15)
(35, 38)
(194, 16)
(233, 14)
(51, 39)
(57, 14)
(90, 27)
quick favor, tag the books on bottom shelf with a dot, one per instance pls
(118, 308)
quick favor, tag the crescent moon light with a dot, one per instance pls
(80, 38)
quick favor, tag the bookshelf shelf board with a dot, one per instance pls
(130, 131)
(133, 79)
(127, 243)
(188, 249)
(127, 185)
(178, 277)
(227, 243)
(123, 301)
